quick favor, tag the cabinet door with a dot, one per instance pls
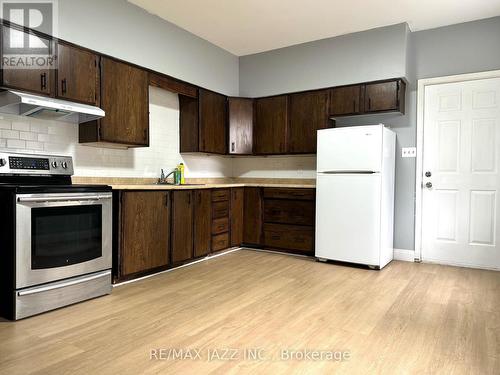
(124, 98)
(77, 74)
(240, 125)
(202, 221)
(15, 45)
(212, 122)
(237, 201)
(252, 219)
(270, 127)
(308, 112)
(145, 231)
(383, 96)
(182, 226)
(188, 124)
(346, 100)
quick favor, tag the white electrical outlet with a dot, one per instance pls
(409, 152)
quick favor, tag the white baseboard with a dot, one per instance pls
(404, 255)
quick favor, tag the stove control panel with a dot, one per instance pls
(19, 164)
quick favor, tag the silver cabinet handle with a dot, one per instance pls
(65, 198)
(63, 284)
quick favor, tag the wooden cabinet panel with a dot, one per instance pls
(290, 193)
(124, 98)
(220, 242)
(39, 81)
(219, 195)
(252, 220)
(289, 212)
(220, 225)
(289, 237)
(308, 112)
(188, 124)
(212, 122)
(271, 123)
(182, 226)
(145, 231)
(171, 84)
(240, 119)
(383, 96)
(77, 74)
(202, 222)
(346, 100)
(220, 209)
(237, 202)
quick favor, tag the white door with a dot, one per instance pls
(460, 211)
(348, 217)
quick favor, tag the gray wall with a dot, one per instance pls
(462, 48)
(364, 56)
(123, 30)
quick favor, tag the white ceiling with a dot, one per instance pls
(243, 27)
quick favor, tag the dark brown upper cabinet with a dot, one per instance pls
(346, 100)
(270, 126)
(144, 231)
(202, 221)
(182, 225)
(212, 122)
(385, 96)
(203, 123)
(125, 99)
(308, 112)
(77, 75)
(240, 121)
(37, 81)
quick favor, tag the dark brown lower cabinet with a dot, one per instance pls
(182, 225)
(252, 216)
(202, 222)
(145, 231)
(293, 238)
(237, 201)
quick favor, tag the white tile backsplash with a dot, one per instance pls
(22, 134)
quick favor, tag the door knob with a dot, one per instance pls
(428, 185)
(428, 174)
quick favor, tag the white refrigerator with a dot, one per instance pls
(355, 195)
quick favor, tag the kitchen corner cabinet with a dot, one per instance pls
(182, 225)
(202, 222)
(240, 123)
(125, 99)
(237, 203)
(270, 127)
(37, 81)
(203, 122)
(144, 232)
(77, 74)
(252, 216)
(308, 112)
(385, 96)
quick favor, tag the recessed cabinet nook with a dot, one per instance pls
(210, 122)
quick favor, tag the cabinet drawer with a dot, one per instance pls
(220, 209)
(308, 194)
(219, 195)
(291, 237)
(289, 211)
(220, 225)
(220, 242)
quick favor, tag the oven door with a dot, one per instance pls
(59, 236)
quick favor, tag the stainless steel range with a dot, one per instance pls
(55, 238)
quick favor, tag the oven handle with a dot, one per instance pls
(65, 199)
(63, 284)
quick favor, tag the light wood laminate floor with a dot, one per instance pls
(406, 319)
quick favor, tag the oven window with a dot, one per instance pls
(65, 235)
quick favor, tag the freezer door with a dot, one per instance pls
(356, 148)
(348, 218)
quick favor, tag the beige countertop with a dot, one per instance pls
(195, 183)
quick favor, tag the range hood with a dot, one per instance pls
(20, 103)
